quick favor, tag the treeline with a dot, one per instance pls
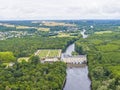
(33, 75)
(103, 52)
(22, 47)
(56, 28)
(5, 29)
(98, 25)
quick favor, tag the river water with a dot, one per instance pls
(83, 33)
(69, 50)
(77, 77)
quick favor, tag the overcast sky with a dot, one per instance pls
(59, 9)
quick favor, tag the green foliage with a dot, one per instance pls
(108, 48)
(81, 48)
(23, 47)
(33, 76)
(74, 53)
(103, 55)
(34, 59)
(115, 71)
(7, 57)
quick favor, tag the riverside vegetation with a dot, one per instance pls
(103, 52)
(33, 75)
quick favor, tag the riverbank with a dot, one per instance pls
(77, 74)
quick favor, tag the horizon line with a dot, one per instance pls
(52, 19)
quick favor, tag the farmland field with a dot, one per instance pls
(49, 53)
(43, 29)
(23, 27)
(56, 24)
(102, 32)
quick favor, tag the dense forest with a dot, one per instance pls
(26, 46)
(103, 52)
(33, 75)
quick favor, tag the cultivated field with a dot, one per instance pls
(7, 25)
(49, 53)
(102, 32)
(23, 27)
(61, 34)
(56, 24)
(43, 29)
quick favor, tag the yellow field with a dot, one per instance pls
(63, 35)
(27, 27)
(23, 27)
(43, 29)
(102, 32)
(56, 24)
(7, 25)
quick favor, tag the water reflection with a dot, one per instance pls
(77, 79)
(83, 33)
(69, 50)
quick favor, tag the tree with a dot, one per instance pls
(35, 59)
(7, 57)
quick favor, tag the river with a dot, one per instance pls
(77, 77)
(83, 33)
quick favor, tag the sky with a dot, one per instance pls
(59, 9)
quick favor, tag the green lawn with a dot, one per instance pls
(43, 53)
(49, 53)
(54, 53)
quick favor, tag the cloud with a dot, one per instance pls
(59, 9)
